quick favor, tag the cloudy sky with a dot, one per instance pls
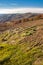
(21, 6)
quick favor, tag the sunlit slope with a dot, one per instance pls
(22, 46)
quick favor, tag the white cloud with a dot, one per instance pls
(21, 10)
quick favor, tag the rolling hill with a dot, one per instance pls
(21, 39)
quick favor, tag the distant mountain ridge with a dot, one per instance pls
(8, 21)
(11, 17)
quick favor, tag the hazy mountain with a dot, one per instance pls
(11, 17)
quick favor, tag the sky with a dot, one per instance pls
(21, 6)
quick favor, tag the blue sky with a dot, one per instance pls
(21, 3)
(21, 6)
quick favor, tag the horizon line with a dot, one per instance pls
(20, 10)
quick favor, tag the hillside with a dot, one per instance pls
(21, 41)
(8, 21)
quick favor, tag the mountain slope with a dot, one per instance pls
(9, 21)
(22, 44)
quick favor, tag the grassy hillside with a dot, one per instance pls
(21, 40)
(22, 46)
